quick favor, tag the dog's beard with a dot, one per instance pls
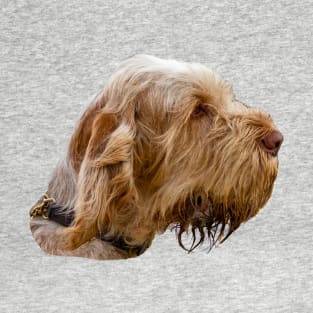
(210, 223)
(212, 217)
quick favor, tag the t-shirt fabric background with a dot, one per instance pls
(56, 55)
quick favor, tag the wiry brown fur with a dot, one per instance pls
(165, 143)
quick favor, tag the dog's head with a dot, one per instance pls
(171, 145)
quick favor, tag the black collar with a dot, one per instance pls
(47, 208)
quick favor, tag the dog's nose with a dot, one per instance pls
(272, 142)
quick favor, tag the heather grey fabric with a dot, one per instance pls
(55, 55)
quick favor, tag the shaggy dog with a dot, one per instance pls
(164, 144)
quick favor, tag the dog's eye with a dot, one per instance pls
(200, 110)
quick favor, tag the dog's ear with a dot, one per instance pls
(106, 188)
(81, 136)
